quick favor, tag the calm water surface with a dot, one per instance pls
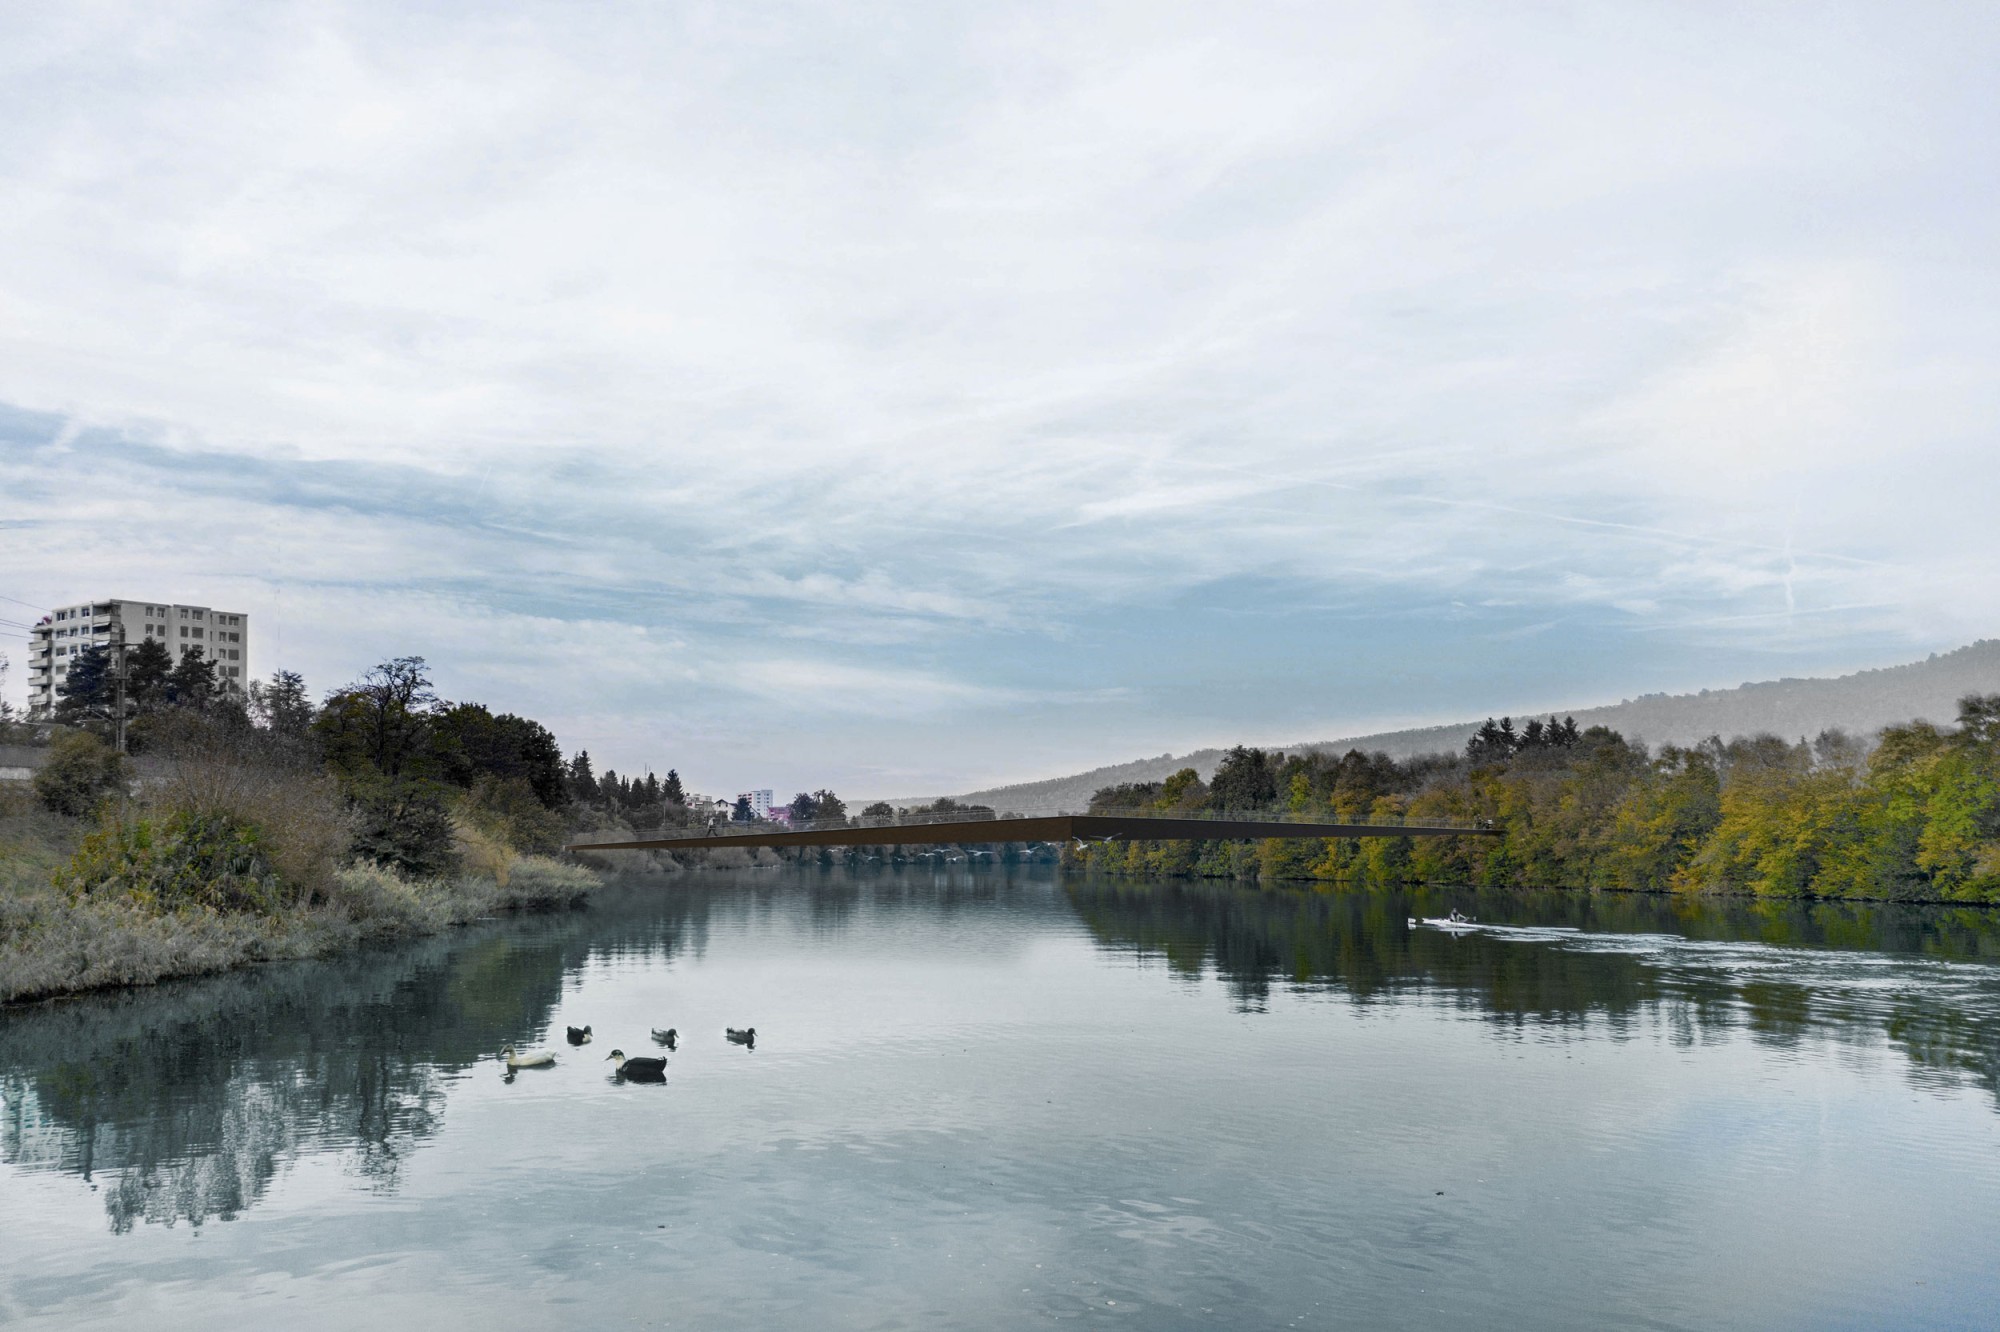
(1004, 1098)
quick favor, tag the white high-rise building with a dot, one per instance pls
(223, 637)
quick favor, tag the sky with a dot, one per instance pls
(907, 398)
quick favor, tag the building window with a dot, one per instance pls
(197, 633)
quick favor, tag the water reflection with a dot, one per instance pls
(186, 1101)
(1856, 973)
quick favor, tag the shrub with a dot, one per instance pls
(181, 860)
(215, 770)
(407, 829)
(81, 770)
(508, 809)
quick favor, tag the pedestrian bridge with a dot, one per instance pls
(944, 830)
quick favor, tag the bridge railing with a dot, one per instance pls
(978, 814)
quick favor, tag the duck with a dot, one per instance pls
(532, 1059)
(643, 1069)
(579, 1035)
(745, 1036)
(666, 1038)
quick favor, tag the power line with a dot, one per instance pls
(18, 602)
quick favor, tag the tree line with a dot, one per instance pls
(414, 770)
(1913, 815)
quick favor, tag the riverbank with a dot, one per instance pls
(54, 943)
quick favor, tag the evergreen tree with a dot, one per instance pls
(87, 690)
(148, 668)
(193, 683)
(582, 785)
(672, 791)
(280, 707)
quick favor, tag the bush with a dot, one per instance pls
(407, 829)
(81, 770)
(215, 770)
(182, 860)
(509, 809)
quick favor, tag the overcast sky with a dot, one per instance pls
(903, 398)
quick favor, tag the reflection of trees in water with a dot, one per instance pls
(191, 1098)
(1361, 943)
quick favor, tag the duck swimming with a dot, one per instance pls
(579, 1035)
(746, 1036)
(533, 1059)
(644, 1069)
(666, 1038)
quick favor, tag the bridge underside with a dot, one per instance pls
(1048, 828)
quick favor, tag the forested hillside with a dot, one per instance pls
(1860, 704)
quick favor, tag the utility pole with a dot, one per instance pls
(118, 678)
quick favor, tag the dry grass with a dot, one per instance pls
(276, 789)
(51, 945)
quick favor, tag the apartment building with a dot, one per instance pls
(221, 636)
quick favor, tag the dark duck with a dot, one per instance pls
(579, 1035)
(668, 1038)
(745, 1036)
(643, 1069)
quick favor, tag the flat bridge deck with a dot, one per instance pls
(1043, 828)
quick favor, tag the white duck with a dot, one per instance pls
(532, 1059)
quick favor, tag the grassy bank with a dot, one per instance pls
(55, 940)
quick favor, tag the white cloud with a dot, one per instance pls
(898, 353)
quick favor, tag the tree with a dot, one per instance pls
(469, 742)
(828, 807)
(281, 707)
(1245, 779)
(878, 815)
(742, 813)
(88, 688)
(582, 784)
(671, 791)
(148, 668)
(801, 809)
(193, 683)
(381, 722)
(1491, 743)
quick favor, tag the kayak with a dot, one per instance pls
(1444, 923)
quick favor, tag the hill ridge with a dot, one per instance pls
(1861, 702)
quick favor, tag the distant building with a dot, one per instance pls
(223, 637)
(760, 802)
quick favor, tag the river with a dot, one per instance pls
(1006, 1098)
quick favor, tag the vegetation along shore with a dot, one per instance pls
(246, 828)
(1911, 814)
